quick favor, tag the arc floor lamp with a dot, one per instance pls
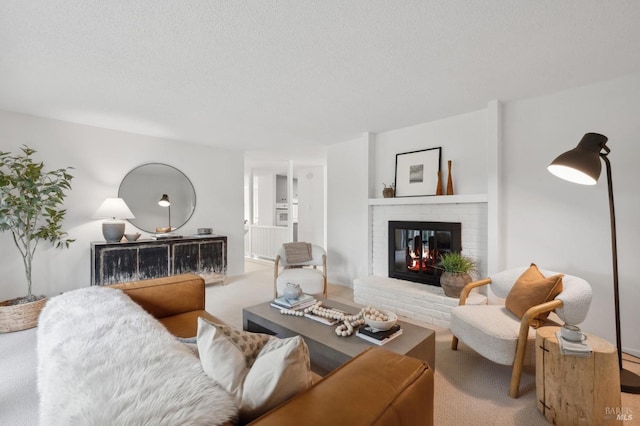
(582, 165)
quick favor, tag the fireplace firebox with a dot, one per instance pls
(415, 249)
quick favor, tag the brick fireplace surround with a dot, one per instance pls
(421, 302)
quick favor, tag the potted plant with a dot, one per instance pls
(456, 269)
(30, 208)
(388, 191)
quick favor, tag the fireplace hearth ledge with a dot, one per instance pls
(411, 300)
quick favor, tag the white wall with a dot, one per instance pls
(357, 170)
(563, 226)
(265, 192)
(311, 208)
(347, 223)
(463, 139)
(101, 159)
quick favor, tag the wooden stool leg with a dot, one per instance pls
(454, 343)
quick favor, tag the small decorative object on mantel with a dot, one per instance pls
(416, 172)
(31, 208)
(388, 191)
(439, 185)
(449, 180)
(456, 272)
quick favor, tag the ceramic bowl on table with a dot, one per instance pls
(379, 319)
(132, 237)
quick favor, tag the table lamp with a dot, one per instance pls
(582, 165)
(113, 209)
(165, 202)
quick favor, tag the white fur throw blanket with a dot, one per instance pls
(103, 360)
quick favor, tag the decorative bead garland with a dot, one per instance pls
(346, 328)
(291, 312)
(374, 314)
(349, 322)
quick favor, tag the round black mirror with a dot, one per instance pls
(160, 196)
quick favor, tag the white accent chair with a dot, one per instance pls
(311, 279)
(499, 335)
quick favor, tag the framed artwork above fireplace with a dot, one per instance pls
(417, 172)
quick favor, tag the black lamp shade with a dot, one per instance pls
(581, 164)
(164, 201)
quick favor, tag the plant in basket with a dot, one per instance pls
(31, 209)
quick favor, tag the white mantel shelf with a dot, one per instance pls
(434, 199)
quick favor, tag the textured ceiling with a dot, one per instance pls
(277, 74)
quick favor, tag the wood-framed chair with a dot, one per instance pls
(311, 279)
(497, 334)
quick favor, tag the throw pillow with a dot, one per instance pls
(227, 354)
(259, 370)
(281, 370)
(531, 289)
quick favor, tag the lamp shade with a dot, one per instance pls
(113, 208)
(581, 164)
(164, 201)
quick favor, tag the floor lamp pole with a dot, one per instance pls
(614, 253)
(629, 382)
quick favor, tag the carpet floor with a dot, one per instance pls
(469, 390)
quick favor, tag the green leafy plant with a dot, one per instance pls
(455, 262)
(30, 206)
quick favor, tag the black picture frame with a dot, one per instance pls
(417, 172)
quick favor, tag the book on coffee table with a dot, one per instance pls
(379, 337)
(305, 299)
(299, 307)
(323, 320)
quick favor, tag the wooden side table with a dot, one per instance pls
(574, 390)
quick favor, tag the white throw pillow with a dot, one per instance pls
(227, 354)
(259, 370)
(281, 370)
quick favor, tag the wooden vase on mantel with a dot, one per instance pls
(449, 180)
(439, 185)
(388, 192)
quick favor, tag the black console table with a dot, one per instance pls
(143, 259)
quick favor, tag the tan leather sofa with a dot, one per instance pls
(378, 387)
(176, 301)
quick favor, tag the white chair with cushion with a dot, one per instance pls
(305, 273)
(505, 334)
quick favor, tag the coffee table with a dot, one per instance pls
(326, 349)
